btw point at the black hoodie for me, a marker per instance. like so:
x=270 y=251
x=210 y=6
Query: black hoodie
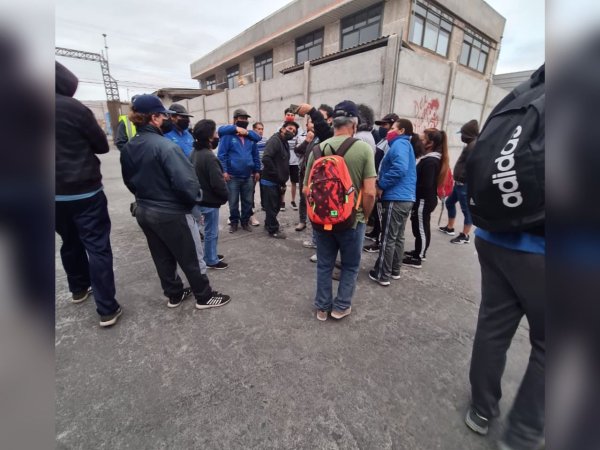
x=78 y=139
x=469 y=133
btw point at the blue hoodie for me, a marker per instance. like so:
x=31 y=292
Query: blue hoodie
x=398 y=172
x=238 y=155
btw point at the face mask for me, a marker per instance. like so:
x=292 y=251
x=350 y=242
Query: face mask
x=214 y=143
x=241 y=123
x=288 y=135
x=183 y=124
x=382 y=133
x=392 y=134
x=166 y=126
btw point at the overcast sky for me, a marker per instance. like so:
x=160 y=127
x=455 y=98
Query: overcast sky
x=152 y=47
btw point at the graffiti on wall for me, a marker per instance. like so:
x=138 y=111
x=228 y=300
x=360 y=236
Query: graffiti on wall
x=426 y=114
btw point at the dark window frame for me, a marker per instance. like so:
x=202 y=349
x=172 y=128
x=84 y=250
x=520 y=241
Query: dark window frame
x=309 y=42
x=474 y=44
x=358 y=24
x=429 y=17
x=262 y=63
x=233 y=73
x=210 y=83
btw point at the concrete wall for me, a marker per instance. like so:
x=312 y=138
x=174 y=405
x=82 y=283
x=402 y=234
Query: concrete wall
x=428 y=91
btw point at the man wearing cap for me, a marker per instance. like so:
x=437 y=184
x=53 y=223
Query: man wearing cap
x=180 y=133
x=361 y=166
x=238 y=154
x=166 y=188
x=275 y=174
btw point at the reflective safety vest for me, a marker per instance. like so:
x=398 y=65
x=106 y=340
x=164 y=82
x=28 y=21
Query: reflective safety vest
x=129 y=127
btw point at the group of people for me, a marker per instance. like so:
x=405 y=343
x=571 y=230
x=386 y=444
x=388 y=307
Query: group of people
x=179 y=184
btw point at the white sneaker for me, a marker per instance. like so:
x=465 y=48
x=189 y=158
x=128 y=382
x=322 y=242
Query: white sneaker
x=254 y=222
x=313 y=258
x=309 y=244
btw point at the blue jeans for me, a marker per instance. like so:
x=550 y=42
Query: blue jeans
x=349 y=243
x=211 y=234
x=459 y=194
x=240 y=189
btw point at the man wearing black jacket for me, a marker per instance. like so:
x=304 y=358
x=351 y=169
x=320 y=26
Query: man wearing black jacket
x=82 y=219
x=275 y=174
x=166 y=189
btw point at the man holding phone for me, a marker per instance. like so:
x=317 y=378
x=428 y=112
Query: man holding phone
x=290 y=116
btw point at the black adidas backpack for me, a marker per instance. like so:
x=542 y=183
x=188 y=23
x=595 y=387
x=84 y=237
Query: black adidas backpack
x=505 y=171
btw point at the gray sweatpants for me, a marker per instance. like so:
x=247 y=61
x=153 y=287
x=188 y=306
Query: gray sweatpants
x=394 y=216
x=512 y=285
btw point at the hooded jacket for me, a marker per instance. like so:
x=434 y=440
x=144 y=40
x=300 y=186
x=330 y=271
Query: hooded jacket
x=158 y=173
x=79 y=139
x=428 y=170
x=238 y=154
x=469 y=133
x=397 y=172
x=276 y=160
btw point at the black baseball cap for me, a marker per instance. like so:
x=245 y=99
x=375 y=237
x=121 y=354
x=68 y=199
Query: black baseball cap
x=179 y=110
x=240 y=113
x=387 y=119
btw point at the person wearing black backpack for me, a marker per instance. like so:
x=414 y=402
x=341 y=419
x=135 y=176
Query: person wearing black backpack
x=505 y=181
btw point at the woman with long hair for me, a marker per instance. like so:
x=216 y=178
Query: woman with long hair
x=396 y=190
x=431 y=173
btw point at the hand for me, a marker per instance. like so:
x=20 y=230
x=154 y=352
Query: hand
x=241 y=131
x=226 y=176
x=303 y=109
x=256 y=177
x=379 y=193
x=309 y=136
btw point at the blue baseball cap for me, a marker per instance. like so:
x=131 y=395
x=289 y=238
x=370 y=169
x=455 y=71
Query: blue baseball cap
x=148 y=104
x=347 y=108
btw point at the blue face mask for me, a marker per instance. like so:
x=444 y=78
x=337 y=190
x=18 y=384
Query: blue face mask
x=382 y=133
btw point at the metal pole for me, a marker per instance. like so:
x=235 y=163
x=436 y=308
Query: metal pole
x=105 y=46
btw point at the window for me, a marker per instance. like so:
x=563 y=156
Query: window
x=364 y=26
x=210 y=83
x=430 y=27
x=232 y=77
x=309 y=46
x=263 y=66
x=475 y=51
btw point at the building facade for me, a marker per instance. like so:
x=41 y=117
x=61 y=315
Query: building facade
x=428 y=61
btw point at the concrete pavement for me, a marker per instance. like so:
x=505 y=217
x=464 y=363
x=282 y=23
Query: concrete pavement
x=262 y=372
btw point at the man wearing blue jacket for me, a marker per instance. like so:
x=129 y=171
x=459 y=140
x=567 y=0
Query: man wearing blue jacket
x=238 y=154
x=396 y=187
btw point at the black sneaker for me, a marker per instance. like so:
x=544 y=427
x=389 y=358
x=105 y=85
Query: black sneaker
x=476 y=422
x=396 y=276
x=246 y=227
x=221 y=257
x=218 y=266
x=412 y=261
x=176 y=301
x=294 y=206
x=214 y=301
x=413 y=253
x=111 y=319
x=461 y=239
x=282 y=207
x=81 y=296
x=372 y=236
x=373 y=248
x=448 y=231
x=233 y=227
x=381 y=281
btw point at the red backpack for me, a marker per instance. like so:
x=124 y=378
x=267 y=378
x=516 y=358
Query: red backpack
x=445 y=189
x=331 y=195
